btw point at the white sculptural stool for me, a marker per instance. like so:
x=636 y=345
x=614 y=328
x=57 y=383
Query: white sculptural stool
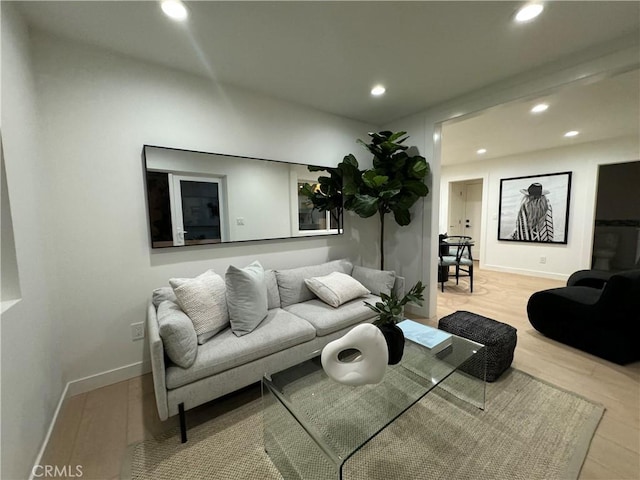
x=368 y=367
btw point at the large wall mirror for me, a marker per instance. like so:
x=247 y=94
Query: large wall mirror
x=197 y=198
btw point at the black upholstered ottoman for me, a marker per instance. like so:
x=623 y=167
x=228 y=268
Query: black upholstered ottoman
x=498 y=338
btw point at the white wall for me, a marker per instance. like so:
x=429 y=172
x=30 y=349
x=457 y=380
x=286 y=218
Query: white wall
x=561 y=260
x=97 y=111
x=30 y=329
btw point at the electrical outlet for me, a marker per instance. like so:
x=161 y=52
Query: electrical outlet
x=543 y=260
x=137 y=331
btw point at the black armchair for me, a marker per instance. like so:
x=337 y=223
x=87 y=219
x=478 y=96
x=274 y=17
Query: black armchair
x=602 y=321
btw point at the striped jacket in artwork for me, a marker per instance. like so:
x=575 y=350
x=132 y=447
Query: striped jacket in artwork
x=535 y=220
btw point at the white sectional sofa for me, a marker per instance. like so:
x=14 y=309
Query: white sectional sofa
x=298 y=325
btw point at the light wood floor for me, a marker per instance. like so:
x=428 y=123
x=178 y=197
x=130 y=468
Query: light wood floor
x=95 y=428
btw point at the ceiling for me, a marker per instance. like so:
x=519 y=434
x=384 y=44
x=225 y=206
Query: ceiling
x=328 y=55
x=605 y=109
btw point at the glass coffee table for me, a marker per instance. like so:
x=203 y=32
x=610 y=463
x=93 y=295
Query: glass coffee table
x=313 y=425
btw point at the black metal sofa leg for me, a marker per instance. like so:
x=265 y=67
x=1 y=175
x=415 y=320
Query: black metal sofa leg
x=183 y=423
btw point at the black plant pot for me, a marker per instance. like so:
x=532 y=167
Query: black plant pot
x=395 y=341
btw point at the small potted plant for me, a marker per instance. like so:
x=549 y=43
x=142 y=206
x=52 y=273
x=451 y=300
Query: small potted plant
x=390 y=311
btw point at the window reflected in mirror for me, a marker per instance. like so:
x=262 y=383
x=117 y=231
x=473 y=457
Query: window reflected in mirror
x=311 y=219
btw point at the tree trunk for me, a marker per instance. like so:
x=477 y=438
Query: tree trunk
x=381 y=240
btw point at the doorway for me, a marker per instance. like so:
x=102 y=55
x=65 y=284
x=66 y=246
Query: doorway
x=465 y=211
x=616 y=242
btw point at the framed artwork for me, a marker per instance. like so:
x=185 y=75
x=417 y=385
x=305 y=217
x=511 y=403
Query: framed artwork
x=535 y=208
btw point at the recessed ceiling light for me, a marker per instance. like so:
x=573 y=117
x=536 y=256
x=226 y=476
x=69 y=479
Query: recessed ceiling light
x=482 y=151
x=541 y=107
x=174 y=9
x=378 y=90
x=529 y=12
x=572 y=133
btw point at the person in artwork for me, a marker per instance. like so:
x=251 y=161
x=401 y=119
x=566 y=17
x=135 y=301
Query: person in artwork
x=535 y=218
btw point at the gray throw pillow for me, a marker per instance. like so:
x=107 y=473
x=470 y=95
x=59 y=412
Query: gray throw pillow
x=291 y=282
x=246 y=297
x=203 y=299
x=273 y=294
x=177 y=333
x=161 y=294
x=378 y=281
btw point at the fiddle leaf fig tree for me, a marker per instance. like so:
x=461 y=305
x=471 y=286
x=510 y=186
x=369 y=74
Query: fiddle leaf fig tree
x=393 y=185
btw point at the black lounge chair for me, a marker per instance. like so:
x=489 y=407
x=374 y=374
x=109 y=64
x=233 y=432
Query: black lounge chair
x=598 y=313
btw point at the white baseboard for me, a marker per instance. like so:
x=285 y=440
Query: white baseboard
x=109 y=377
x=47 y=437
x=522 y=271
x=86 y=384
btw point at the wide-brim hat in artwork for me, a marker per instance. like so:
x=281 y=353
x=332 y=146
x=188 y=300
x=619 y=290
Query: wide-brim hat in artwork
x=535 y=190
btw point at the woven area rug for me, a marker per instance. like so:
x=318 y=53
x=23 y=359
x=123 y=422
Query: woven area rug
x=528 y=430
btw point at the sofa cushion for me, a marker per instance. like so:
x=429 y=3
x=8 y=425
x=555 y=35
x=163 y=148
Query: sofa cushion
x=377 y=281
x=327 y=319
x=336 y=288
x=291 y=282
x=178 y=335
x=273 y=295
x=246 y=297
x=203 y=298
x=279 y=331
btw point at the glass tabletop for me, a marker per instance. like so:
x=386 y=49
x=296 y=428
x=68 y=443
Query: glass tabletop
x=340 y=418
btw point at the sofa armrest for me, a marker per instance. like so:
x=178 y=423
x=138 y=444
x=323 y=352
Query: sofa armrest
x=589 y=278
x=156 y=348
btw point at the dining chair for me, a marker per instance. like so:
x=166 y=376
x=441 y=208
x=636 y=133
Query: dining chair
x=458 y=255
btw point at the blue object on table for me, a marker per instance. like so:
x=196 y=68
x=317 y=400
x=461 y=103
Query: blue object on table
x=430 y=337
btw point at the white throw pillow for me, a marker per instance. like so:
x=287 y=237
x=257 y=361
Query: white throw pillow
x=336 y=288
x=203 y=299
x=177 y=333
x=246 y=297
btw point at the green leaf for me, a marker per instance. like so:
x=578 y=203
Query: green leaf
x=372 y=180
x=391 y=189
x=350 y=160
x=365 y=205
x=417 y=187
x=395 y=136
x=350 y=188
x=402 y=217
x=405 y=200
x=419 y=167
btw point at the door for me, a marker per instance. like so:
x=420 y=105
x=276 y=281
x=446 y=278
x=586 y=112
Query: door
x=456 y=209
x=473 y=215
x=197 y=210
